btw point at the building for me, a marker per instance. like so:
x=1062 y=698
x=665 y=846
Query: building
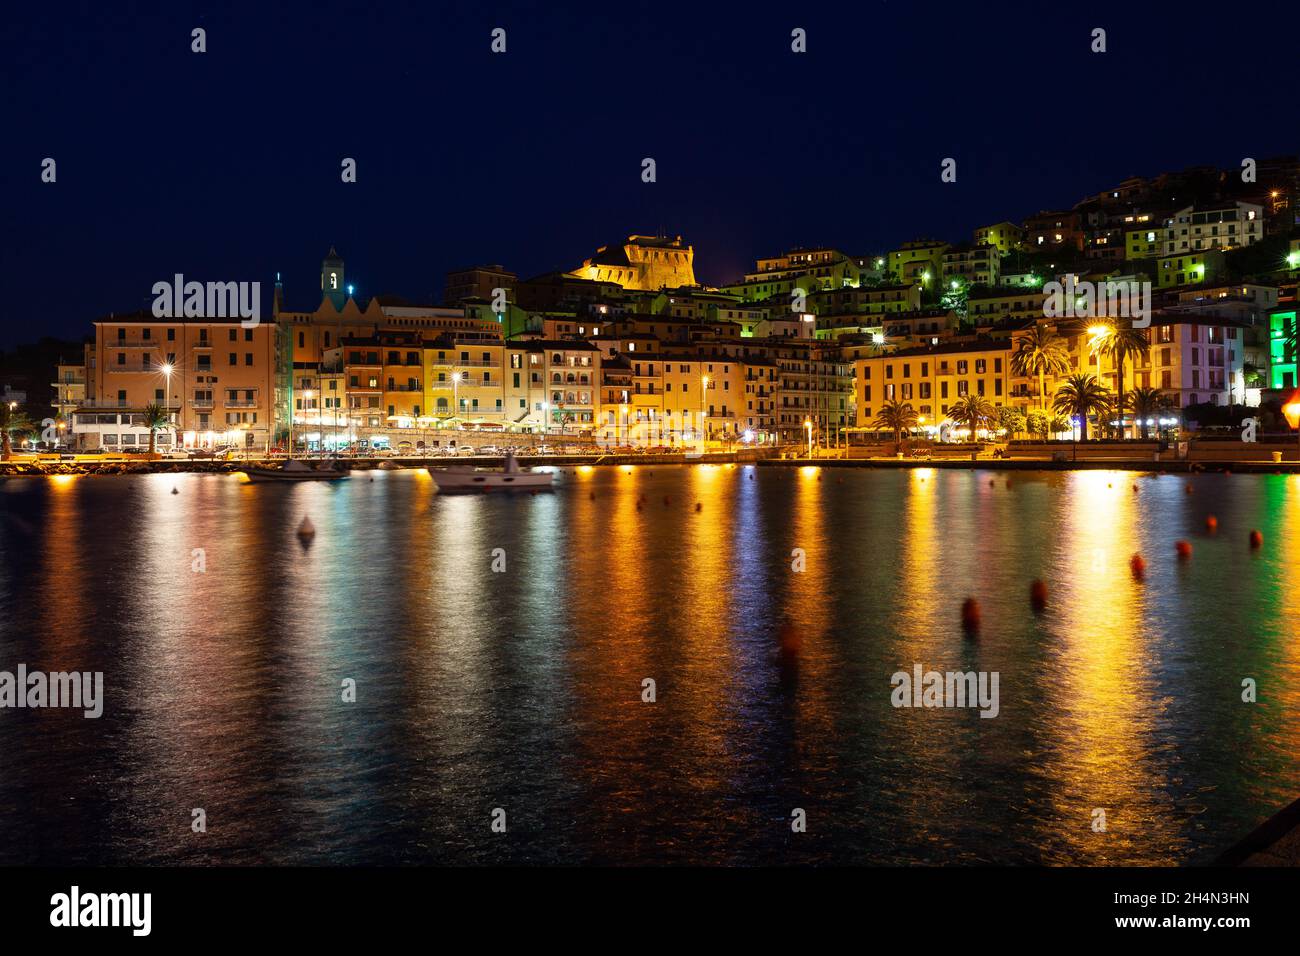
x=1004 y=236
x=1054 y=230
x=918 y=262
x=1189 y=268
x=478 y=282
x=1226 y=225
x=933 y=378
x=972 y=264
x=214 y=377
x=648 y=263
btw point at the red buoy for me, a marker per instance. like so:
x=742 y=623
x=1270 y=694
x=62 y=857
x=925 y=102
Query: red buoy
x=1256 y=539
x=699 y=506
x=970 y=615
x=1184 y=550
x=1137 y=564
x=1211 y=524
x=1038 y=596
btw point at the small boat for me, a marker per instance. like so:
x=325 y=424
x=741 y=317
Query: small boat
x=297 y=470
x=465 y=478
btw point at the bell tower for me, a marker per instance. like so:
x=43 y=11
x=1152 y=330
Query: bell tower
x=331 y=275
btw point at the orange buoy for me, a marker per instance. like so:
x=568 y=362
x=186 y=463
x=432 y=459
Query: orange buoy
x=1184 y=550
x=699 y=506
x=1211 y=524
x=991 y=483
x=1038 y=596
x=1137 y=564
x=970 y=615
x=1135 y=487
x=790 y=638
x=1256 y=539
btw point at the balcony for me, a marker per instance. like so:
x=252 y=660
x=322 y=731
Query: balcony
x=403 y=388
x=136 y=367
x=241 y=403
x=201 y=403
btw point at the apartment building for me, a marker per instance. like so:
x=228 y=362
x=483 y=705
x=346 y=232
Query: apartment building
x=933 y=378
x=215 y=378
x=972 y=264
x=1226 y=225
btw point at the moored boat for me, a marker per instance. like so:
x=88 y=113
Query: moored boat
x=297 y=470
x=464 y=478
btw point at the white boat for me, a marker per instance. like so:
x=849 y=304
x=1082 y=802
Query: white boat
x=465 y=478
x=297 y=470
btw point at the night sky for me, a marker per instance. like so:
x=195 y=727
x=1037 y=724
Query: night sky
x=226 y=165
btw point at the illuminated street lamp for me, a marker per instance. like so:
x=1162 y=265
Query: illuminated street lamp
x=807 y=423
x=704 y=409
x=455 y=392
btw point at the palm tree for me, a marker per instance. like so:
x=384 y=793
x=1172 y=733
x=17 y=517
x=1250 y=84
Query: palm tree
x=12 y=422
x=155 y=417
x=973 y=411
x=1082 y=395
x=898 y=418
x=1121 y=342
x=1040 y=352
x=1144 y=402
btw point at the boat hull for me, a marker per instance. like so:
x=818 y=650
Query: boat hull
x=275 y=474
x=491 y=481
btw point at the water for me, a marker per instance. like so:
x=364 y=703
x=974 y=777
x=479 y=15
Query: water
x=522 y=690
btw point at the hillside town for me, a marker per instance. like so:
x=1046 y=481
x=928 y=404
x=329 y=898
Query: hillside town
x=1012 y=330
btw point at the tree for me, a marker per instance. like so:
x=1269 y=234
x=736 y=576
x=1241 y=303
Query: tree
x=1040 y=352
x=898 y=418
x=155 y=417
x=1120 y=342
x=973 y=411
x=1039 y=423
x=1082 y=395
x=1011 y=420
x=1145 y=402
x=12 y=423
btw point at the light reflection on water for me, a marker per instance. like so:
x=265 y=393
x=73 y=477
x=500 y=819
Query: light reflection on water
x=523 y=689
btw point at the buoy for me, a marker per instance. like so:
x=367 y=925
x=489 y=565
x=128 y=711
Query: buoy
x=1184 y=550
x=1135 y=487
x=699 y=506
x=1211 y=524
x=1038 y=596
x=175 y=492
x=970 y=615
x=1256 y=539
x=990 y=482
x=791 y=640
x=306 y=529
x=1187 y=489
x=1138 y=566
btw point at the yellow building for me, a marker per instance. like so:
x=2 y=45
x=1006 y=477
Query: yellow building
x=919 y=261
x=1005 y=236
x=933 y=379
x=642 y=263
x=1143 y=241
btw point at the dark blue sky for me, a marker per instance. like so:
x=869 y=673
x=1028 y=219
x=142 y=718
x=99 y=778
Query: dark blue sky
x=225 y=166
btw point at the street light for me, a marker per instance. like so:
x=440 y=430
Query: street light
x=455 y=392
x=807 y=423
x=704 y=411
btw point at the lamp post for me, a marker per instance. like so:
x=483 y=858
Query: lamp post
x=807 y=423
x=704 y=412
